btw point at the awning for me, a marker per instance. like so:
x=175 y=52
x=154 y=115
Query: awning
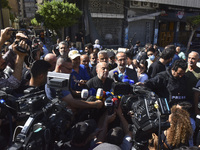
x=149 y=16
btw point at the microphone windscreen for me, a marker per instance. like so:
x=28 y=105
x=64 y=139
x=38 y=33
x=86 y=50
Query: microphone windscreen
x=84 y=94
x=99 y=94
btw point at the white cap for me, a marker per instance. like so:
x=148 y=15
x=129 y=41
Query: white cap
x=73 y=54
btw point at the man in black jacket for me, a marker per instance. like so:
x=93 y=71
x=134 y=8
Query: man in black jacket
x=165 y=58
x=170 y=84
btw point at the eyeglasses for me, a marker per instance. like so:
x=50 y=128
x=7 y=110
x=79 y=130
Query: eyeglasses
x=149 y=54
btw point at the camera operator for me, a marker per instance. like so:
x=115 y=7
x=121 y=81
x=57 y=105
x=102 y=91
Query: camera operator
x=14 y=80
x=64 y=65
x=170 y=84
x=38 y=78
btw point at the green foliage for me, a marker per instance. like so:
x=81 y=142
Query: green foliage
x=34 y=22
x=12 y=17
x=4 y=4
x=194 y=21
x=56 y=14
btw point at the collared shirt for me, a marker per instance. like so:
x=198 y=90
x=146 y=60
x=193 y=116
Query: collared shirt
x=76 y=77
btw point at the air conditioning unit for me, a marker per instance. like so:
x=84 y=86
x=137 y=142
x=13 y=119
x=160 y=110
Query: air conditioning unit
x=135 y=4
x=145 y=4
x=154 y=5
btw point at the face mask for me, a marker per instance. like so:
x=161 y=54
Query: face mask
x=152 y=57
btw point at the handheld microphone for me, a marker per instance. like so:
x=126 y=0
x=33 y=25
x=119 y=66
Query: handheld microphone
x=115 y=101
x=84 y=94
x=109 y=105
x=131 y=82
x=108 y=94
x=125 y=77
x=99 y=94
x=116 y=76
x=92 y=92
x=125 y=80
x=120 y=76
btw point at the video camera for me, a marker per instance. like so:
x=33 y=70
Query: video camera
x=48 y=124
x=58 y=81
x=7 y=105
x=147 y=112
x=33 y=101
x=44 y=127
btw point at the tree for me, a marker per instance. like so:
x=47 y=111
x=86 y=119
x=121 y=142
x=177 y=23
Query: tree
x=4 y=4
x=56 y=15
x=194 y=22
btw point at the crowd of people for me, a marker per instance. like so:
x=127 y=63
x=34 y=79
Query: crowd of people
x=168 y=73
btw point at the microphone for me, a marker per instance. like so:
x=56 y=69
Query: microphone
x=120 y=76
x=84 y=94
x=92 y=92
x=115 y=101
x=99 y=94
x=108 y=94
x=131 y=82
x=116 y=76
x=109 y=105
x=125 y=80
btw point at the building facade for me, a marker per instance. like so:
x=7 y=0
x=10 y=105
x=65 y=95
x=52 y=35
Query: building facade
x=118 y=22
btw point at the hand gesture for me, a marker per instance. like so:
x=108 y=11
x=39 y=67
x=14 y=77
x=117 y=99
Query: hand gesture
x=21 y=44
x=5 y=35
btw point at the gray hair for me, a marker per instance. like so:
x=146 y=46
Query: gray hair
x=62 y=43
x=102 y=52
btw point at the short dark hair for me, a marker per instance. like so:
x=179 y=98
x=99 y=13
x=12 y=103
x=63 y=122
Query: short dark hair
x=180 y=63
x=129 y=55
x=39 y=67
x=89 y=45
x=145 y=63
x=137 y=42
x=115 y=136
x=168 y=52
x=151 y=49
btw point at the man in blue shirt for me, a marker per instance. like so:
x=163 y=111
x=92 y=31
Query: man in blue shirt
x=64 y=65
x=79 y=75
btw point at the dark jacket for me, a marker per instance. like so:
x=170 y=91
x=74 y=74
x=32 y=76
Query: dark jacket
x=166 y=86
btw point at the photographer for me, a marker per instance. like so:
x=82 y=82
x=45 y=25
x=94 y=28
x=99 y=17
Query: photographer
x=14 y=80
x=64 y=65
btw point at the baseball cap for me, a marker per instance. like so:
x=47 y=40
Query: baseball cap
x=82 y=130
x=73 y=54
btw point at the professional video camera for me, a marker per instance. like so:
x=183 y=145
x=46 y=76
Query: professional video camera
x=45 y=127
x=33 y=101
x=148 y=113
x=58 y=81
x=7 y=105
